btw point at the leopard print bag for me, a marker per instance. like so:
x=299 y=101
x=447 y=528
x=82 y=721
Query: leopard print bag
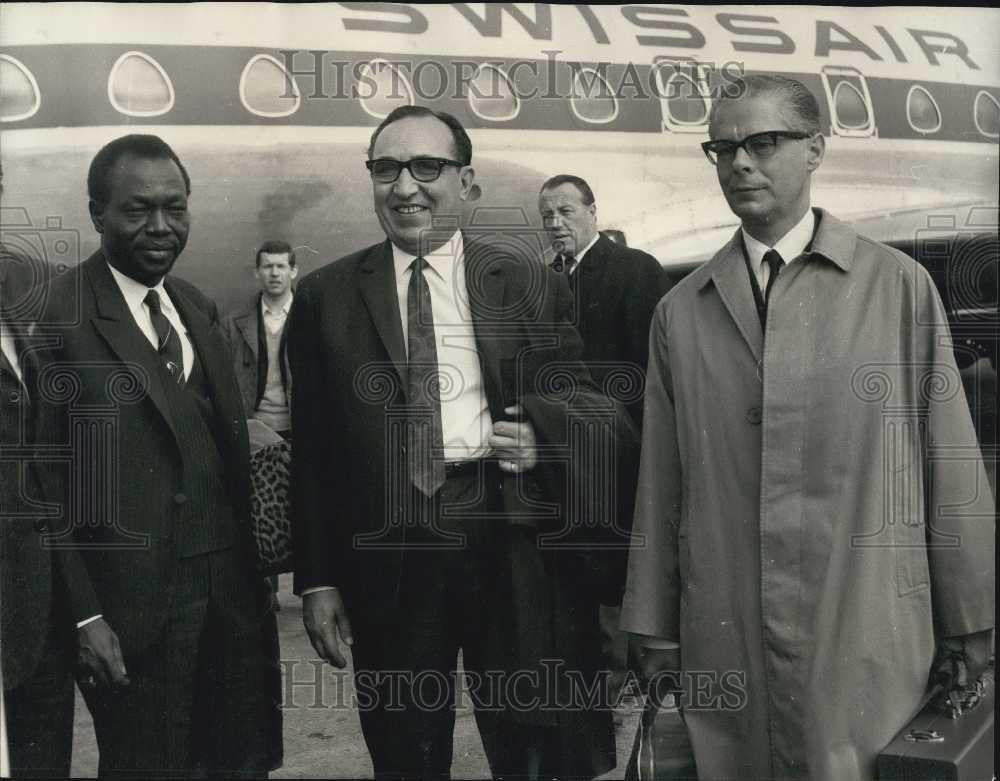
x=269 y=508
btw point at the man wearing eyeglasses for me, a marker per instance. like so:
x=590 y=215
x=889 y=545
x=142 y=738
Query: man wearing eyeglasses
x=806 y=448
x=430 y=474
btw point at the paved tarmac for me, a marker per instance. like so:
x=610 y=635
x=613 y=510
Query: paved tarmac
x=322 y=734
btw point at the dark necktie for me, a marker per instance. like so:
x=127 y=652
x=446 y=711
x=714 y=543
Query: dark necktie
x=425 y=439
x=774 y=261
x=169 y=347
x=564 y=264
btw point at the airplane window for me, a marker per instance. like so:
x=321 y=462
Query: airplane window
x=922 y=111
x=266 y=88
x=383 y=88
x=685 y=103
x=19 y=96
x=139 y=87
x=852 y=113
x=987 y=114
x=492 y=96
x=592 y=99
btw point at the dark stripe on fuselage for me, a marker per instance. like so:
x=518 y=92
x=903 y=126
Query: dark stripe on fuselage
x=73 y=82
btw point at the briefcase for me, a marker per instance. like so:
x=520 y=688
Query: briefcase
x=935 y=747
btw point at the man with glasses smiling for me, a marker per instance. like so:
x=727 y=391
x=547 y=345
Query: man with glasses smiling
x=420 y=417
x=806 y=447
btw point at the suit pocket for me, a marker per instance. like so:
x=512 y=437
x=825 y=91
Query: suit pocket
x=909 y=530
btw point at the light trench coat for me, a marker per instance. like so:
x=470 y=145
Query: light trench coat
x=812 y=511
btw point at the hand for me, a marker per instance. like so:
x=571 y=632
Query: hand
x=513 y=442
x=100 y=655
x=978 y=652
x=322 y=611
x=962 y=659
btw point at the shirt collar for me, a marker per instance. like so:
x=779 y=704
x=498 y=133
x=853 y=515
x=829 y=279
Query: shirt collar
x=789 y=246
x=135 y=292
x=284 y=308
x=583 y=253
x=442 y=261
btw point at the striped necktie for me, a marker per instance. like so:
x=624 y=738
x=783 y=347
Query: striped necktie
x=425 y=443
x=169 y=348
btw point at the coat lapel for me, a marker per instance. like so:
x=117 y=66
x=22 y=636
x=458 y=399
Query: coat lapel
x=731 y=280
x=115 y=324
x=246 y=324
x=211 y=351
x=485 y=283
x=378 y=289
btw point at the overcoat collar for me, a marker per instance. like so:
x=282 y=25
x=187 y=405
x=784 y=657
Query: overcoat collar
x=834 y=241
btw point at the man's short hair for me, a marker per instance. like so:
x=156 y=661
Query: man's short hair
x=277 y=247
x=463 y=144
x=580 y=184
x=143 y=146
x=797 y=97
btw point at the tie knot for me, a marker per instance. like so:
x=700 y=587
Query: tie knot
x=563 y=263
x=153 y=301
x=774 y=261
x=418 y=265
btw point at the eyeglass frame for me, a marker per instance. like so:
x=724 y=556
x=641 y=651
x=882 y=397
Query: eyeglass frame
x=442 y=162
x=794 y=135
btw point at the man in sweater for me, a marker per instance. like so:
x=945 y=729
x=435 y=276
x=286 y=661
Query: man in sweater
x=257 y=337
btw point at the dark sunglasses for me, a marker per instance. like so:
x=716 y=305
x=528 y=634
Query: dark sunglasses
x=757 y=145
x=423 y=169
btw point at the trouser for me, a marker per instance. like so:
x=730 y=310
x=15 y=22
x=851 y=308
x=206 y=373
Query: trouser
x=40 y=712
x=405 y=668
x=271 y=693
x=193 y=705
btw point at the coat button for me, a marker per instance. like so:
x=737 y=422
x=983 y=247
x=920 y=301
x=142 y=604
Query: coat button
x=14 y=396
x=754 y=416
x=180 y=498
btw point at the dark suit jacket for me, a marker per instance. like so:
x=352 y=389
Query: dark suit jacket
x=617 y=289
x=26 y=591
x=348 y=362
x=242 y=331
x=97 y=380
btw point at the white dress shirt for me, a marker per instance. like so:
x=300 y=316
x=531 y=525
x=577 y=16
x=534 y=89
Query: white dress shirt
x=10 y=349
x=581 y=255
x=274 y=317
x=135 y=298
x=465 y=415
x=789 y=246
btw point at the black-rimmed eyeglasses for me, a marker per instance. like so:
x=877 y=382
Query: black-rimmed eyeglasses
x=757 y=145
x=423 y=169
